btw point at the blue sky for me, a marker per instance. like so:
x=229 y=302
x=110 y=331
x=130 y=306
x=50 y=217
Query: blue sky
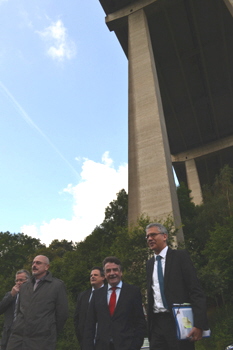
x=63 y=118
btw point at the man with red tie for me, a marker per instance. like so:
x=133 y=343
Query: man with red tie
x=115 y=318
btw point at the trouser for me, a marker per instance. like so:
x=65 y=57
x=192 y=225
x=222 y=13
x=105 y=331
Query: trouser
x=163 y=334
x=111 y=346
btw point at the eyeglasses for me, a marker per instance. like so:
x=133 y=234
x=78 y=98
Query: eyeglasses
x=21 y=280
x=37 y=262
x=153 y=235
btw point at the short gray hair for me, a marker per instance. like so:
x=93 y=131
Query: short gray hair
x=27 y=274
x=162 y=229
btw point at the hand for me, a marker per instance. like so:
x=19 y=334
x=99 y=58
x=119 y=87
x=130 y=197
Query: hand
x=195 y=334
x=14 y=290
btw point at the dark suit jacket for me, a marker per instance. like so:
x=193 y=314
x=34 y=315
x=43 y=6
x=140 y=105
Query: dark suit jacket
x=7 y=306
x=181 y=285
x=81 y=313
x=126 y=327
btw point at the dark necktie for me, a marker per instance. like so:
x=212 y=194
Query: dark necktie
x=112 y=301
x=16 y=305
x=160 y=278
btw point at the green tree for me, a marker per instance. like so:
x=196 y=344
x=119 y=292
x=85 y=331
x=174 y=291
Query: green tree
x=77 y=263
x=117 y=211
x=14 y=251
x=199 y=221
x=220 y=262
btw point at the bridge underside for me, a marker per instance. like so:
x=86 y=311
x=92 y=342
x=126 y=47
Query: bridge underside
x=193 y=51
x=180 y=56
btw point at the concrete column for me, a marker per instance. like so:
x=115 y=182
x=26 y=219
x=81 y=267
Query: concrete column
x=193 y=181
x=152 y=189
x=229 y=4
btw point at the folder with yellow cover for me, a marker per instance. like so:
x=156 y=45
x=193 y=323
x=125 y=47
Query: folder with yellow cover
x=183 y=314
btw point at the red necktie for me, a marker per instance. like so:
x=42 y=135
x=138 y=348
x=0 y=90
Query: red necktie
x=112 y=301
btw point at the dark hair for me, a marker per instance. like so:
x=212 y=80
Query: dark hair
x=100 y=270
x=112 y=259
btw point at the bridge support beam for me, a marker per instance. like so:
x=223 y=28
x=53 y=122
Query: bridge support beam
x=189 y=159
x=229 y=4
x=193 y=181
x=152 y=189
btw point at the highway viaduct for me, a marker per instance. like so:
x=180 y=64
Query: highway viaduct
x=180 y=77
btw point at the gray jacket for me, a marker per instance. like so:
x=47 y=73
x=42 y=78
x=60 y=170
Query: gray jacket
x=41 y=315
x=7 y=306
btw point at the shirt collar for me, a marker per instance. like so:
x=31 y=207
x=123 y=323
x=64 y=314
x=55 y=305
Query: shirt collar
x=163 y=253
x=92 y=289
x=119 y=285
x=42 y=278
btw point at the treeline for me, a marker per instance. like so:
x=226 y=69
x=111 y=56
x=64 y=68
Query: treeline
x=208 y=231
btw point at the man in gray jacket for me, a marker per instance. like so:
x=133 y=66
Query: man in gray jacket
x=42 y=310
x=8 y=305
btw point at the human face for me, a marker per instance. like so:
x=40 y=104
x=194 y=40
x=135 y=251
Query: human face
x=20 y=278
x=156 y=240
x=96 y=279
x=113 y=274
x=40 y=266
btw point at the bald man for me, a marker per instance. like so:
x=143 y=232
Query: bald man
x=42 y=310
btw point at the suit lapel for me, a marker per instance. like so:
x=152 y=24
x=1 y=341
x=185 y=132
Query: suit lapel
x=151 y=269
x=168 y=266
x=87 y=296
x=105 y=299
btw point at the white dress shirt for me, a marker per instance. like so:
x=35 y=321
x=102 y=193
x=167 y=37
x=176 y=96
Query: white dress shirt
x=118 y=291
x=158 y=303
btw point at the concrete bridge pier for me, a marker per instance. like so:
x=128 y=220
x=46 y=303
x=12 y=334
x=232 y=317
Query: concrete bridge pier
x=193 y=181
x=152 y=189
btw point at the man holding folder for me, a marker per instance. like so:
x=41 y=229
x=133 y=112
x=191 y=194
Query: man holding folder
x=171 y=279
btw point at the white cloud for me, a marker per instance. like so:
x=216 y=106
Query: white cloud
x=60 y=46
x=100 y=182
x=30 y=230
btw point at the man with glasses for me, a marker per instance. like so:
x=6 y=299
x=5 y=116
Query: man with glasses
x=8 y=305
x=42 y=310
x=171 y=279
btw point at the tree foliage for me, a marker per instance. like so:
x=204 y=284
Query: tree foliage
x=15 y=250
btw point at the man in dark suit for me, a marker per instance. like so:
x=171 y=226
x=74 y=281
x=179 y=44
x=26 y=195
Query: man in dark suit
x=115 y=318
x=180 y=286
x=97 y=281
x=8 y=305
